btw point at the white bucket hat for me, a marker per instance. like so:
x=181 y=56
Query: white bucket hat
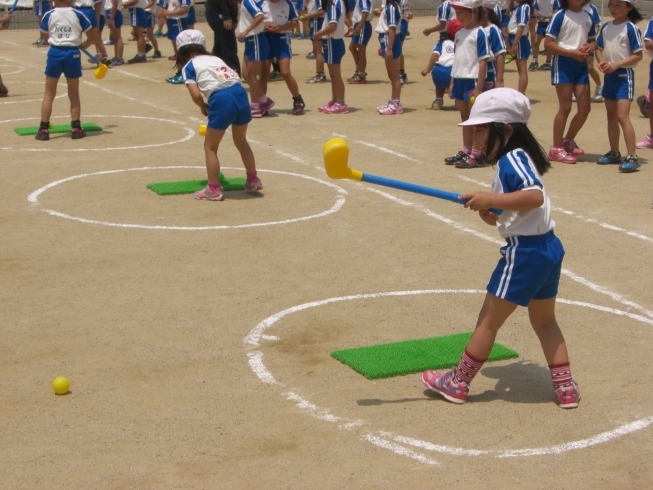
x=190 y=36
x=502 y=105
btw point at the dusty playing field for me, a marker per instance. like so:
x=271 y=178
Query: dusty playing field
x=195 y=358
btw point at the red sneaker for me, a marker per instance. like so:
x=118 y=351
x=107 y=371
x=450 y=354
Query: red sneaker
x=568 y=396
x=571 y=147
x=560 y=155
x=442 y=382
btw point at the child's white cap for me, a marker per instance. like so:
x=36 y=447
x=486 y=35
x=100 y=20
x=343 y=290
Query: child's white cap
x=502 y=105
x=489 y=4
x=190 y=36
x=465 y=4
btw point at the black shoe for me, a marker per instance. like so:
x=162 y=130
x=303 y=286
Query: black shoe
x=42 y=135
x=139 y=58
x=298 y=106
x=148 y=48
x=458 y=156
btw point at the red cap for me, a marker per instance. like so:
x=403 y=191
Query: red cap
x=453 y=27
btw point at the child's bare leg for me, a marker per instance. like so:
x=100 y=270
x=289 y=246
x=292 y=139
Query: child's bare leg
x=564 y=91
x=523 y=76
x=319 y=56
x=255 y=91
x=543 y=321
x=211 y=143
x=291 y=83
x=362 y=58
x=152 y=38
x=265 y=75
x=73 y=95
x=246 y=153
x=118 y=44
x=613 y=124
x=623 y=111
x=493 y=314
x=48 y=98
x=392 y=67
x=583 y=102
x=337 y=85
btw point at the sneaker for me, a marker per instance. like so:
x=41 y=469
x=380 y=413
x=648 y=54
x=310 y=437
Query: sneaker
x=303 y=35
x=106 y=61
x=324 y=107
x=610 y=157
x=437 y=104
x=108 y=42
x=542 y=52
x=546 y=66
x=403 y=77
x=4 y=91
x=391 y=108
x=357 y=80
x=571 y=147
x=253 y=185
x=255 y=110
x=275 y=76
x=266 y=106
x=173 y=57
x=568 y=396
x=38 y=42
x=560 y=155
x=471 y=161
x=337 y=108
x=157 y=54
x=310 y=56
x=317 y=78
x=647 y=142
x=42 y=135
x=148 y=48
x=139 y=58
x=158 y=33
x=176 y=80
x=117 y=62
x=631 y=163
x=349 y=33
x=458 y=156
x=533 y=66
x=298 y=106
x=77 y=133
x=442 y=382
x=644 y=108
x=209 y=195
x=598 y=97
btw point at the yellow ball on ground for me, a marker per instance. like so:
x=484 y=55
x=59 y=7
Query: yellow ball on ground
x=202 y=129
x=61 y=385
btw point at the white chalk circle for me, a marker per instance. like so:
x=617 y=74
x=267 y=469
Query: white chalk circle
x=34 y=199
x=189 y=134
x=20 y=69
x=400 y=444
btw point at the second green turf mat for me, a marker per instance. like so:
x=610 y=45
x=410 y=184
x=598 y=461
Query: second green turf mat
x=190 y=186
x=412 y=356
x=56 y=128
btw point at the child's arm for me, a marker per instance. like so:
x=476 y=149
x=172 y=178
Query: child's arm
x=149 y=5
x=648 y=44
x=392 y=34
x=515 y=43
x=435 y=56
x=326 y=30
x=522 y=200
x=257 y=20
x=480 y=81
x=314 y=15
x=196 y=95
x=181 y=10
x=552 y=46
x=611 y=66
x=289 y=26
x=5 y=19
x=361 y=24
x=438 y=27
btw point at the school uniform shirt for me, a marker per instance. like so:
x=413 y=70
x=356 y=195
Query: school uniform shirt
x=446 y=13
x=279 y=13
x=361 y=6
x=391 y=16
x=404 y=7
x=172 y=5
x=210 y=73
x=83 y=3
x=516 y=172
x=519 y=18
x=446 y=51
x=619 y=41
x=593 y=12
x=313 y=6
x=571 y=29
x=64 y=26
x=250 y=9
x=336 y=15
x=471 y=47
x=495 y=41
x=546 y=7
x=648 y=36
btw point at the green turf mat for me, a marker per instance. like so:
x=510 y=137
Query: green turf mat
x=412 y=356
x=56 y=128
x=190 y=186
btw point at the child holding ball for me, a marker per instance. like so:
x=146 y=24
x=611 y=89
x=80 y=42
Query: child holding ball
x=528 y=272
x=207 y=76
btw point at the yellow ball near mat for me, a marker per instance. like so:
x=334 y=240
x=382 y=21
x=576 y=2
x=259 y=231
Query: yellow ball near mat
x=202 y=129
x=61 y=385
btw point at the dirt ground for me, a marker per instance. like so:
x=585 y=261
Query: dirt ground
x=196 y=335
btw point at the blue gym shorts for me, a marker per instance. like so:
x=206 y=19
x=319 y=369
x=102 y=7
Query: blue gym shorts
x=229 y=106
x=365 y=35
x=315 y=25
x=441 y=76
x=505 y=18
x=396 y=47
x=102 y=22
x=137 y=17
x=41 y=7
x=299 y=5
x=175 y=26
x=191 y=20
x=529 y=269
x=333 y=50
x=524 y=47
x=619 y=85
x=567 y=70
x=279 y=45
x=403 y=29
x=256 y=47
x=151 y=22
x=117 y=22
x=463 y=88
x=650 y=76
x=63 y=60
x=89 y=12
x=540 y=30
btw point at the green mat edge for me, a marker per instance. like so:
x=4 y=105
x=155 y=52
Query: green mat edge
x=495 y=355
x=55 y=129
x=228 y=184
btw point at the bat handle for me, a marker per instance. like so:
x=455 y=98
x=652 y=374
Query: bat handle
x=13 y=7
x=91 y=57
x=492 y=210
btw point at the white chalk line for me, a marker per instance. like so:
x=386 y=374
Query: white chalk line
x=30 y=100
x=33 y=199
x=5 y=73
x=125 y=72
x=259 y=369
x=391 y=152
x=132 y=99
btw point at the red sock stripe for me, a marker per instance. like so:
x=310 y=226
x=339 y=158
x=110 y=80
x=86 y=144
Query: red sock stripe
x=468 y=367
x=560 y=375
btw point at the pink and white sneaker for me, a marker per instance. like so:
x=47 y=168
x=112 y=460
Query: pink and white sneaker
x=568 y=396
x=324 y=107
x=560 y=155
x=442 y=382
x=647 y=142
x=337 y=108
x=266 y=106
x=253 y=185
x=255 y=110
x=571 y=147
x=391 y=109
x=209 y=195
